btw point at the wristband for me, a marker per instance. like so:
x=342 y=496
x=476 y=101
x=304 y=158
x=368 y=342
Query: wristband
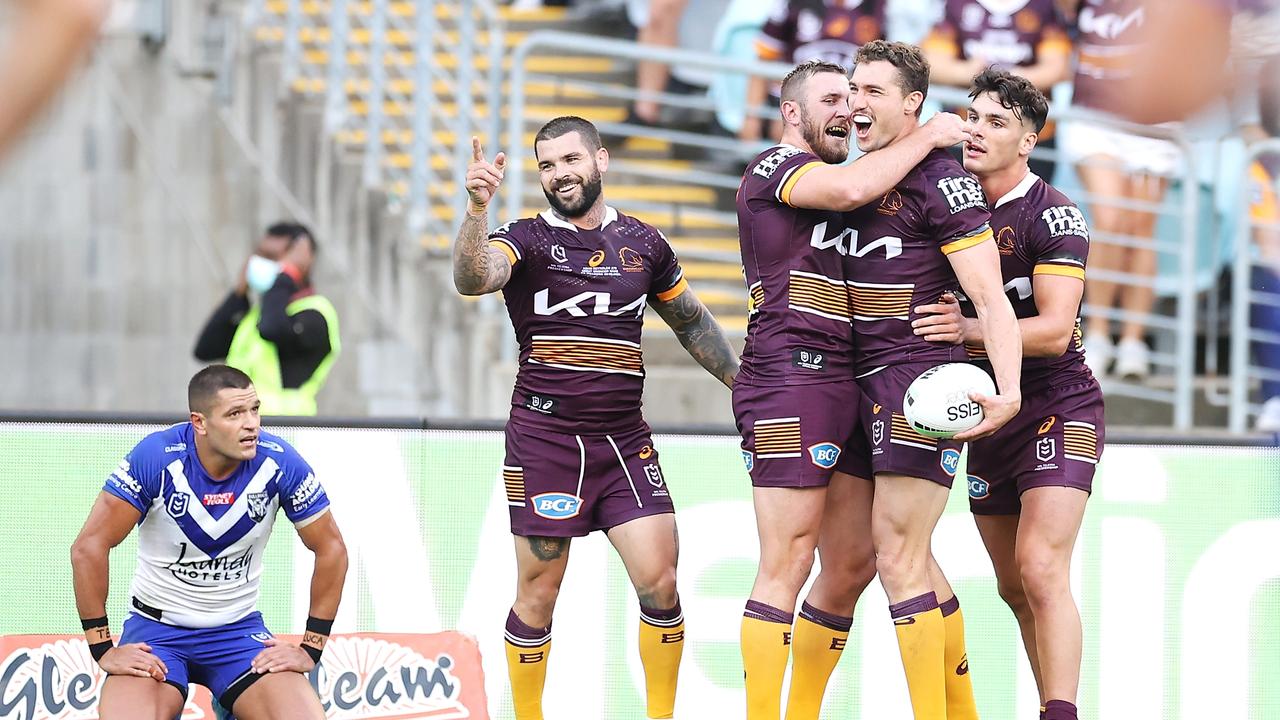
x=97 y=650
x=314 y=652
x=93 y=623
x=319 y=627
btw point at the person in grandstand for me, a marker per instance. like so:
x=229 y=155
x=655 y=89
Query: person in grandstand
x=925 y=236
x=1028 y=482
x=579 y=457
x=1027 y=37
x=801 y=30
x=204 y=495
x=47 y=38
x=794 y=394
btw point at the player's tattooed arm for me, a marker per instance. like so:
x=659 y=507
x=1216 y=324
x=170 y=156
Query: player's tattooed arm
x=700 y=334
x=547 y=549
x=478 y=267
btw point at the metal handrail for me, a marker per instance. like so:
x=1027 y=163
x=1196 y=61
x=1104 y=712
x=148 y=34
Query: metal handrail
x=1243 y=297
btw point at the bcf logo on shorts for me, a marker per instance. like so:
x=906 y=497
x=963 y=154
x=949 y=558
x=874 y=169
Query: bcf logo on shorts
x=824 y=455
x=556 y=506
x=749 y=460
x=950 y=461
x=979 y=489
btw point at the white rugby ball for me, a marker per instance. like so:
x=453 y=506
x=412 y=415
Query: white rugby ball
x=937 y=403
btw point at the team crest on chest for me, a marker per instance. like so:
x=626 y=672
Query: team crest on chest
x=177 y=505
x=258 y=505
x=1004 y=240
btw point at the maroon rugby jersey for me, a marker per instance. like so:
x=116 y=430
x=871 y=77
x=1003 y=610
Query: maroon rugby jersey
x=1039 y=231
x=795 y=33
x=1008 y=33
x=1110 y=36
x=576 y=299
x=798 y=313
x=897 y=259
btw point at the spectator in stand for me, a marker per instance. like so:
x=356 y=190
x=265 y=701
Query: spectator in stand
x=1025 y=37
x=801 y=30
x=288 y=342
x=1117 y=170
x=1264 y=212
x=662 y=28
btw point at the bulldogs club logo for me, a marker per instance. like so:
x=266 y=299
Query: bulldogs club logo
x=258 y=505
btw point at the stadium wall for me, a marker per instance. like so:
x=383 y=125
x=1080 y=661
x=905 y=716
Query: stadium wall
x=1176 y=572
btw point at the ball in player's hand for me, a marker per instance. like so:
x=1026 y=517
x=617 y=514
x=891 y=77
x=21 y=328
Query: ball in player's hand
x=937 y=404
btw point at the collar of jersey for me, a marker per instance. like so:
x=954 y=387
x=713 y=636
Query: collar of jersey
x=1020 y=190
x=551 y=219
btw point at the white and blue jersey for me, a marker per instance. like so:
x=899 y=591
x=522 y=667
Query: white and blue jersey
x=201 y=541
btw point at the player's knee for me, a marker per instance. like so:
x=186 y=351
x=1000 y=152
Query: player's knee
x=897 y=567
x=849 y=574
x=536 y=600
x=658 y=591
x=1013 y=595
x=790 y=562
x=1043 y=576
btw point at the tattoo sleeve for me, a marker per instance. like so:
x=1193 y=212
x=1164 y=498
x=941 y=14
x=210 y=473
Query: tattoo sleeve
x=700 y=334
x=478 y=268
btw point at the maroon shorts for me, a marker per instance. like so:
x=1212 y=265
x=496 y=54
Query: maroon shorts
x=885 y=442
x=793 y=435
x=1054 y=441
x=565 y=485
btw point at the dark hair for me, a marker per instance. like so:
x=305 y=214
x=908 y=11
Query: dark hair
x=564 y=125
x=204 y=385
x=1015 y=93
x=294 y=232
x=912 y=67
x=793 y=84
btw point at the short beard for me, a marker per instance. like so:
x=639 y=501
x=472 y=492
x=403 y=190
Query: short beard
x=815 y=137
x=591 y=189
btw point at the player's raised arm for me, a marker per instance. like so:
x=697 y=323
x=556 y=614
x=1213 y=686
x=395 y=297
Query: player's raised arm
x=699 y=333
x=478 y=268
x=845 y=187
x=110 y=521
x=977 y=267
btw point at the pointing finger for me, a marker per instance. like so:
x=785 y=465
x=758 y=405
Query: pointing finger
x=477 y=152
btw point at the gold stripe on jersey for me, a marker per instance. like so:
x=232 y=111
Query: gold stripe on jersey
x=755 y=298
x=967 y=242
x=674 y=292
x=818 y=295
x=513 y=479
x=570 y=352
x=875 y=301
x=1059 y=268
x=507 y=249
x=1080 y=441
x=784 y=193
x=901 y=433
x=777 y=437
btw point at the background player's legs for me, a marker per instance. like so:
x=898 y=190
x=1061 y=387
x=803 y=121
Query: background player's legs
x=788 y=521
x=134 y=698
x=903 y=517
x=960 y=702
x=540 y=566
x=1131 y=353
x=1000 y=534
x=1051 y=518
x=848 y=564
x=1103 y=178
x=649 y=547
x=279 y=696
